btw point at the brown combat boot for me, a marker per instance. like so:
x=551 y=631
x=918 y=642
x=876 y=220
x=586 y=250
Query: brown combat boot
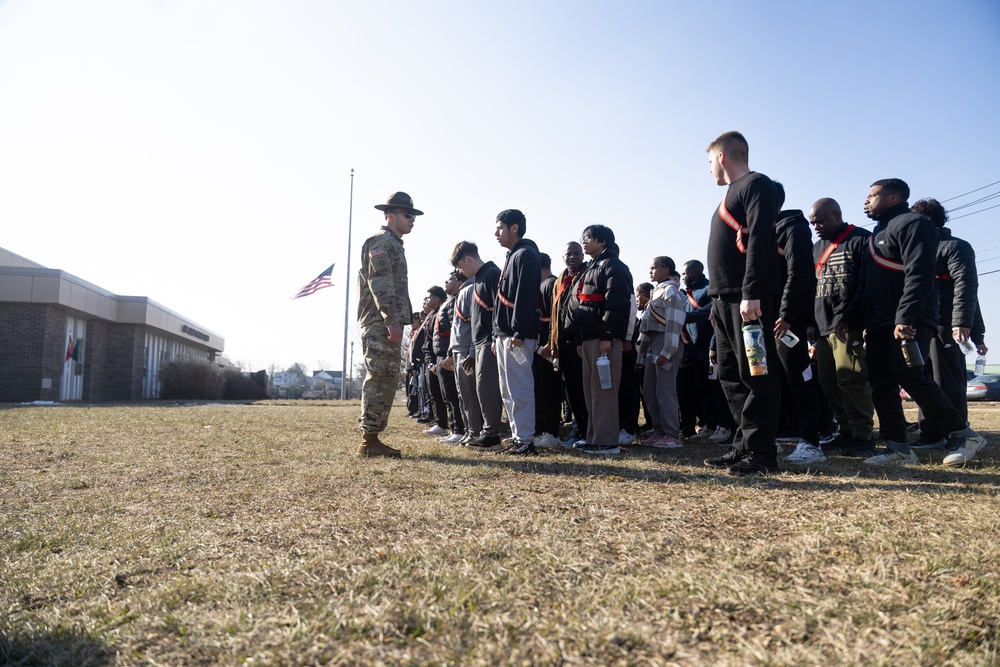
x=371 y=446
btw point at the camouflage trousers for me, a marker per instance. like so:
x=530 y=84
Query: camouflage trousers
x=381 y=379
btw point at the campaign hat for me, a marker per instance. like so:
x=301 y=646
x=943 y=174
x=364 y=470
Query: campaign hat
x=399 y=200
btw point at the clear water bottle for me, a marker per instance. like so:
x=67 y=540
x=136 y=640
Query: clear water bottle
x=980 y=365
x=517 y=352
x=604 y=371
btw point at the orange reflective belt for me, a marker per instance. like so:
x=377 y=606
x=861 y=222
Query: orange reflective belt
x=731 y=222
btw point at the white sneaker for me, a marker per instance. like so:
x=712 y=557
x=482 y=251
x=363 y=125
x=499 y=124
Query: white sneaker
x=436 y=430
x=806 y=454
x=969 y=443
x=720 y=434
x=547 y=440
x=452 y=439
x=891 y=456
x=625 y=438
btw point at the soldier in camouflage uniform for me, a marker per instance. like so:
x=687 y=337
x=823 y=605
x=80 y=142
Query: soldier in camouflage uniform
x=383 y=311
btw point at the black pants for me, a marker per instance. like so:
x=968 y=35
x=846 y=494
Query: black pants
x=450 y=390
x=571 y=367
x=804 y=402
x=754 y=400
x=628 y=395
x=947 y=367
x=887 y=372
x=548 y=397
x=437 y=396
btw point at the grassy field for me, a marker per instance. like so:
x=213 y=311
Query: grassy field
x=250 y=534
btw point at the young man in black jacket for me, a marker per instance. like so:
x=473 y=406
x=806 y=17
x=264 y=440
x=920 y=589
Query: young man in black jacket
x=515 y=327
x=897 y=302
x=842 y=367
x=465 y=258
x=601 y=325
x=795 y=314
x=745 y=287
x=958 y=292
x=443 y=326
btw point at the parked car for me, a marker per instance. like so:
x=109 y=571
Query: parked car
x=983 y=388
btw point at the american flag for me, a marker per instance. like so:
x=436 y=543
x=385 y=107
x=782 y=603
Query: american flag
x=319 y=282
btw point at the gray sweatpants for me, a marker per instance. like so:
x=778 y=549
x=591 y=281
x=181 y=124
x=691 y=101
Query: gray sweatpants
x=488 y=388
x=467 y=395
x=659 y=390
x=517 y=388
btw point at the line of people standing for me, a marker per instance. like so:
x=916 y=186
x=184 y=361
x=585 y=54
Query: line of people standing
x=521 y=340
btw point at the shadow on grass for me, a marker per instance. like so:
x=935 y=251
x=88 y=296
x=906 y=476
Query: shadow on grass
x=57 y=647
x=838 y=474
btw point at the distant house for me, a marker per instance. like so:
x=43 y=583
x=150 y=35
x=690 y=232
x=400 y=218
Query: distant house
x=284 y=379
x=329 y=380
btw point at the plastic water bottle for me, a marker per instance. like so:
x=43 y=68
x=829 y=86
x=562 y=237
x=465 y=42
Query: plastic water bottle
x=980 y=365
x=604 y=371
x=713 y=371
x=517 y=352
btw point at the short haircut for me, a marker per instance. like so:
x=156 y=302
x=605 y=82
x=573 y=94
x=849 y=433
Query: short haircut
x=932 y=210
x=674 y=276
x=780 y=189
x=600 y=233
x=696 y=265
x=512 y=217
x=645 y=288
x=457 y=275
x=544 y=260
x=896 y=185
x=438 y=291
x=666 y=263
x=417 y=315
x=462 y=250
x=733 y=145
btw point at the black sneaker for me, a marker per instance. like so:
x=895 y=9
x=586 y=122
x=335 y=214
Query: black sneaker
x=842 y=440
x=857 y=448
x=522 y=449
x=486 y=443
x=929 y=442
x=728 y=459
x=755 y=463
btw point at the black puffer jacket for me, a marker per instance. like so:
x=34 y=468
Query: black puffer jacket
x=900 y=287
x=604 y=294
x=957 y=281
x=798 y=274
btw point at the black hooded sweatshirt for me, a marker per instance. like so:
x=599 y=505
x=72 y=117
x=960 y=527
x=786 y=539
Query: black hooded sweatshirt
x=518 y=295
x=604 y=293
x=798 y=274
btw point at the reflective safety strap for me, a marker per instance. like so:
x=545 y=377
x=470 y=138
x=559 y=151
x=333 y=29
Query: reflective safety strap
x=884 y=262
x=731 y=222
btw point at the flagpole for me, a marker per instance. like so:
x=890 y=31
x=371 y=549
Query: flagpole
x=347 y=294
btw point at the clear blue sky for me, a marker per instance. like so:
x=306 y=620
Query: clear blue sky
x=199 y=152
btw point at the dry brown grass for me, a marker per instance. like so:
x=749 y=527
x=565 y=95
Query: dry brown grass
x=180 y=535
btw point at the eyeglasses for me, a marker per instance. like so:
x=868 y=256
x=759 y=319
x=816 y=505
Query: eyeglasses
x=405 y=214
x=585 y=239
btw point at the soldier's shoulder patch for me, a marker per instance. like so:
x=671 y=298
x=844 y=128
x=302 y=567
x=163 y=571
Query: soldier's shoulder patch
x=375 y=252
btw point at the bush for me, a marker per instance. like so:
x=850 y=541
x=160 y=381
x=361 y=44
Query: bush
x=190 y=379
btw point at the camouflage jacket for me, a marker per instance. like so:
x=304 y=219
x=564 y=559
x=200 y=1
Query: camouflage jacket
x=383 y=294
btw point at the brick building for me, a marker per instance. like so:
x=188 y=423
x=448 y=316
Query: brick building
x=64 y=339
